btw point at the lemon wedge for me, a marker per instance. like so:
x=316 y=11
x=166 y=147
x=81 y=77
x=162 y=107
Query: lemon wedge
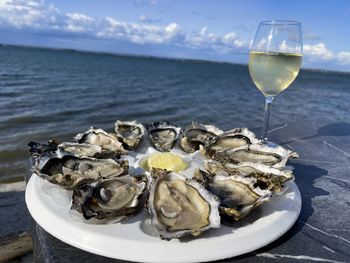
x=168 y=161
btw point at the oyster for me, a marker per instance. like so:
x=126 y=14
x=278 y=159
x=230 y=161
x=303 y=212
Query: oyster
x=130 y=133
x=229 y=140
x=81 y=149
x=69 y=171
x=238 y=194
x=109 y=142
x=70 y=148
x=276 y=157
x=197 y=134
x=36 y=149
x=180 y=206
x=109 y=199
x=274 y=178
x=163 y=135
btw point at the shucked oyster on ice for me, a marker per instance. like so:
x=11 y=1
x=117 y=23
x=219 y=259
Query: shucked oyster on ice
x=238 y=195
x=163 y=135
x=180 y=206
x=197 y=134
x=229 y=140
x=69 y=171
x=276 y=157
x=109 y=199
x=130 y=133
x=111 y=146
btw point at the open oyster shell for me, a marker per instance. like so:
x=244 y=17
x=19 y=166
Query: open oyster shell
x=238 y=195
x=230 y=140
x=130 y=133
x=163 y=135
x=197 y=134
x=111 y=146
x=273 y=177
x=180 y=206
x=36 y=149
x=276 y=157
x=109 y=199
x=69 y=171
x=65 y=148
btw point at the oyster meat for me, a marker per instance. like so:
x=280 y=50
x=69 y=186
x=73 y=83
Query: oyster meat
x=163 y=135
x=276 y=157
x=197 y=134
x=111 y=146
x=109 y=199
x=238 y=195
x=230 y=140
x=180 y=206
x=130 y=133
x=80 y=149
x=69 y=171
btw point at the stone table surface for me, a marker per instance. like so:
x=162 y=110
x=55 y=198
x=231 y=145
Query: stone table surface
x=322 y=173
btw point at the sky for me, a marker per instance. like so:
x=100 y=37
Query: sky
x=210 y=30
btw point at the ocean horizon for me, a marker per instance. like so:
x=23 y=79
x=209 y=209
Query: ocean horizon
x=200 y=60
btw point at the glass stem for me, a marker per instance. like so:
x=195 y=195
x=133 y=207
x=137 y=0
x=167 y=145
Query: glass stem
x=268 y=104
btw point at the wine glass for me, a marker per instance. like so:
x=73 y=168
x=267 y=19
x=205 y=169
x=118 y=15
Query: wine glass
x=275 y=60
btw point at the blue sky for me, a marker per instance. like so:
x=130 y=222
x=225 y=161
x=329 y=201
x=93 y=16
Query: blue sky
x=211 y=30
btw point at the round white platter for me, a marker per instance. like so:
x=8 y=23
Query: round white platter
x=49 y=205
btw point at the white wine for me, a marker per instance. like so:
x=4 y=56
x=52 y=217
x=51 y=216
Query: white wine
x=273 y=72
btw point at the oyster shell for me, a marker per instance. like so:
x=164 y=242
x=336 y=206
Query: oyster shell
x=163 y=135
x=276 y=157
x=69 y=171
x=109 y=142
x=238 y=195
x=70 y=148
x=109 y=199
x=180 y=206
x=130 y=133
x=274 y=178
x=36 y=149
x=229 y=140
x=197 y=134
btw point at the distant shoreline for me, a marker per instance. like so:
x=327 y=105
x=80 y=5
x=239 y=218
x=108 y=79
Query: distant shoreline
x=156 y=57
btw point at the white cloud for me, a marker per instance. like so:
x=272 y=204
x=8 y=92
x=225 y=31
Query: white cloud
x=79 y=17
x=78 y=23
x=203 y=39
x=318 y=52
x=343 y=57
x=33 y=14
x=38 y=16
x=139 y=33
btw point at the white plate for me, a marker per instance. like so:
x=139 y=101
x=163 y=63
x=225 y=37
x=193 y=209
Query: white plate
x=128 y=241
